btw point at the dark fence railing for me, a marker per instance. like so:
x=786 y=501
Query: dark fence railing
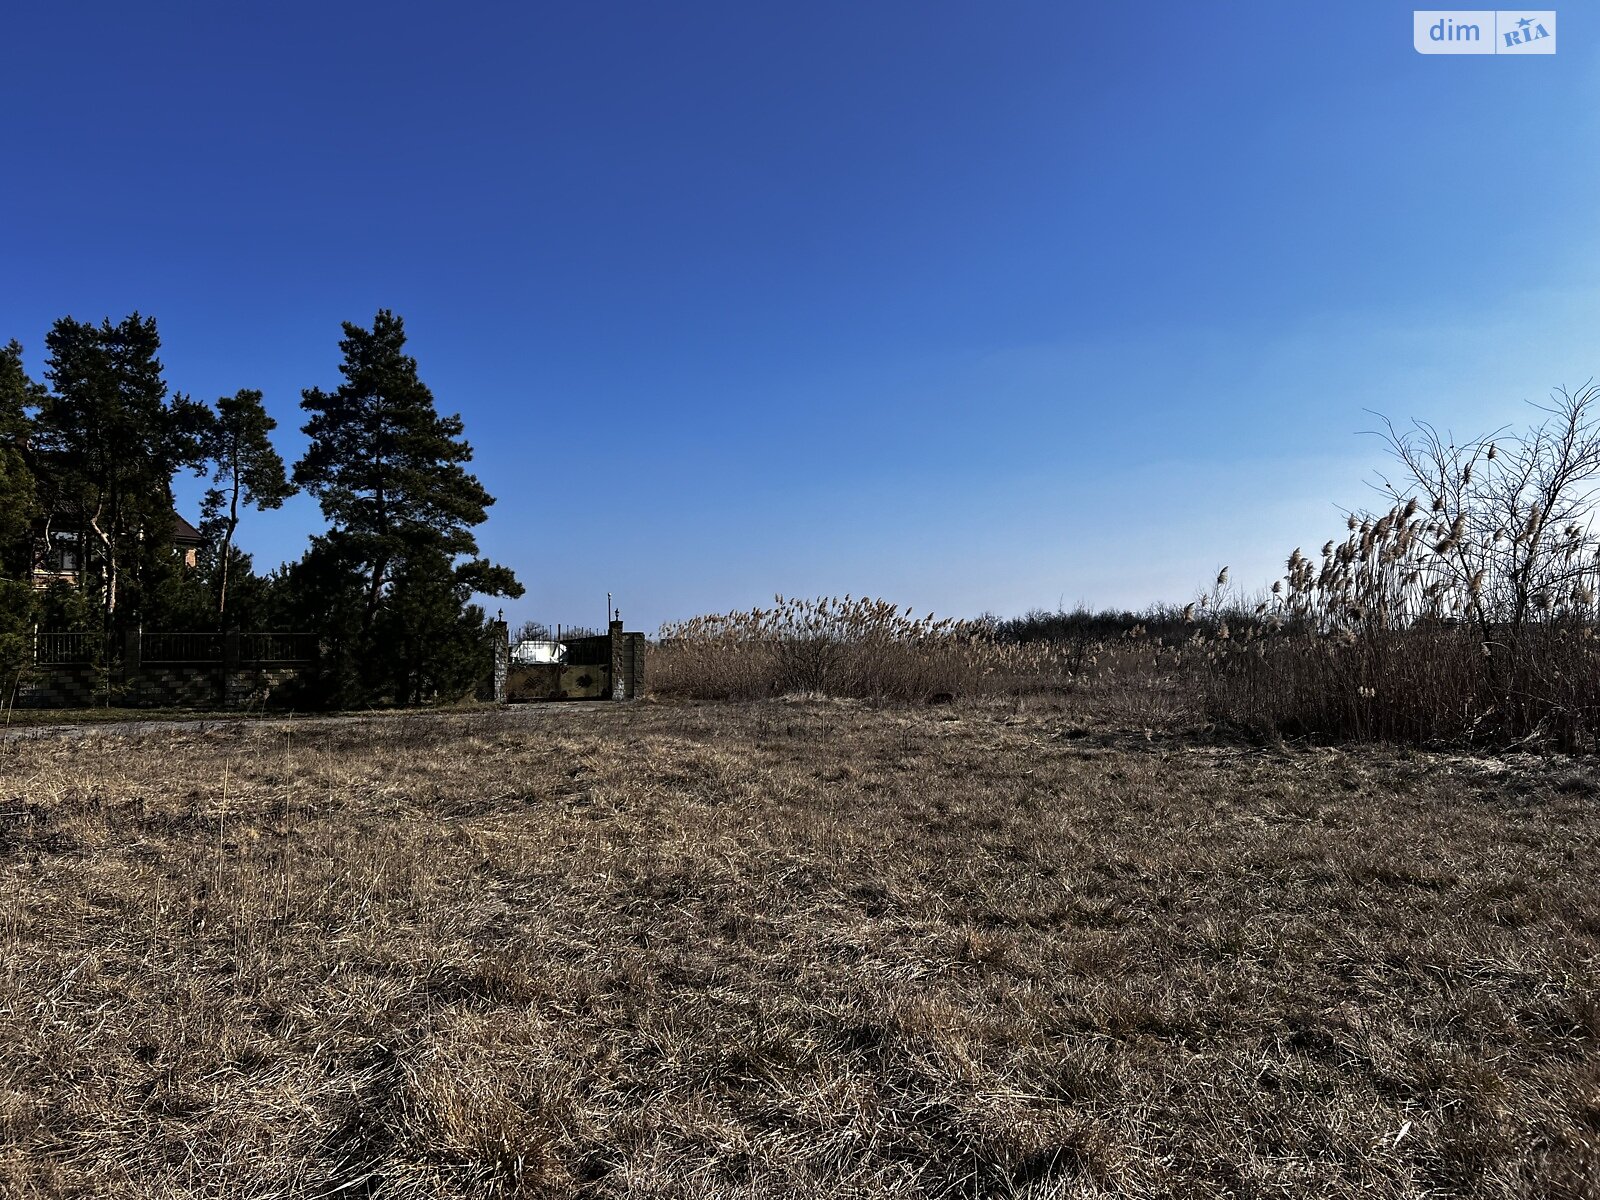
x=60 y=649
x=176 y=648
x=181 y=647
x=277 y=647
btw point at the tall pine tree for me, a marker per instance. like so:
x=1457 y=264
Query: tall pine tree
x=390 y=474
x=248 y=471
x=18 y=493
x=18 y=513
x=110 y=439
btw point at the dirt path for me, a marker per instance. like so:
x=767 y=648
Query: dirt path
x=232 y=724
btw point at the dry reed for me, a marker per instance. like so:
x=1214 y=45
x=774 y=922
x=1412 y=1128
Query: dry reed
x=851 y=647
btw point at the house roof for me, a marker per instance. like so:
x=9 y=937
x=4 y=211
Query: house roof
x=183 y=533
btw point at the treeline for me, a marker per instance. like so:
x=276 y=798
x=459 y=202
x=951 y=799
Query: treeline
x=90 y=539
x=1088 y=626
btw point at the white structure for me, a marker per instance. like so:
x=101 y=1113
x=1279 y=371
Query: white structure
x=529 y=652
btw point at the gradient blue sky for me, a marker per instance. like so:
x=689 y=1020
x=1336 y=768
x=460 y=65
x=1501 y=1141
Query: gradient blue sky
x=973 y=306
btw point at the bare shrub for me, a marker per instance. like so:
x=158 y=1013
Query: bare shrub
x=1464 y=611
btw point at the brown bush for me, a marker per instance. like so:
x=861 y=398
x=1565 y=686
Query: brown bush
x=1464 y=612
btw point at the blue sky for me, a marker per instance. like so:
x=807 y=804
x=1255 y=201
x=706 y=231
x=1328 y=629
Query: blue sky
x=970 y=306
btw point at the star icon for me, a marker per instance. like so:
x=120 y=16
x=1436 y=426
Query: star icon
x=1525 y=22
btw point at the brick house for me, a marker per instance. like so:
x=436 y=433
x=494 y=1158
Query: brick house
x=59 y=554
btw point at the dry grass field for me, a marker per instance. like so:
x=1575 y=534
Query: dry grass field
x=792 y=948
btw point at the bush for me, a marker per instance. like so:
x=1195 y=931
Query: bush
x=1466 y=612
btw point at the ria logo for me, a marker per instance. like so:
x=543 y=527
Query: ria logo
x=1528 y=31
x=1484 y=31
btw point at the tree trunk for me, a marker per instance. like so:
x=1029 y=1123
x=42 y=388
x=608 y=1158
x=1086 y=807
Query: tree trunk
x=110 y=556
x=374 y=592
x=227 y=547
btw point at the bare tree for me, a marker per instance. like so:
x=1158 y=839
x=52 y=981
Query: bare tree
x=1509 y=517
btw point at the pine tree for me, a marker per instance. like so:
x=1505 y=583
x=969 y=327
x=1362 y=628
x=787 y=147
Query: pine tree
x=323 y=591
x=18 y=492
x=110 y=439
x=247 y=471
x=389 y=472
x=434 y=634
x=18 y=513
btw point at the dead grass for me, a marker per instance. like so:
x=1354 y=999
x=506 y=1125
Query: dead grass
x=792 y=949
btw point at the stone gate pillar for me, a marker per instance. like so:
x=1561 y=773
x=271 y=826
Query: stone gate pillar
x=500 y=638
x=619 y=662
